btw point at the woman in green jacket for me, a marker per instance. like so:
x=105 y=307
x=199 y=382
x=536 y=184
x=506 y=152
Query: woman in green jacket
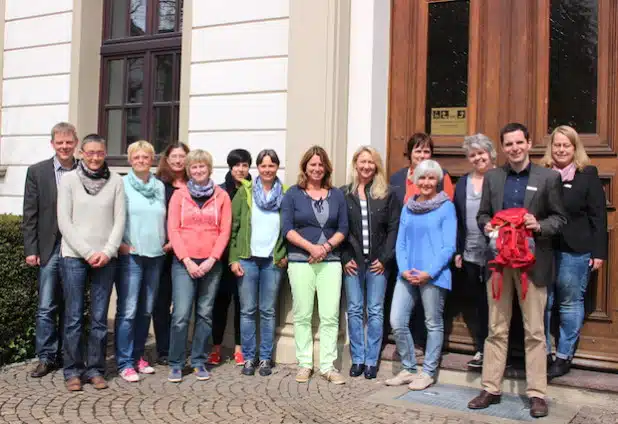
x=257 y=256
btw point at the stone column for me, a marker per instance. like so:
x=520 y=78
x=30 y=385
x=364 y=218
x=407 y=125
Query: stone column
x=319 y=47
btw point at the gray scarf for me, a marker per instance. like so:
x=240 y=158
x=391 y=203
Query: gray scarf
x=93 y=181
x=428 y=205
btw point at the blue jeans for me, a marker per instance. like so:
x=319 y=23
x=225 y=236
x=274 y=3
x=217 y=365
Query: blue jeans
x=75 y=274
x=137 y=284
x=404 y=299
x=187 y=291
x=258 y=288
x=48 y=333
x=569 y=290
x=375 y=287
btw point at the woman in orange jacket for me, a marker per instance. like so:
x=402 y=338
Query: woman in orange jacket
x=199 y=225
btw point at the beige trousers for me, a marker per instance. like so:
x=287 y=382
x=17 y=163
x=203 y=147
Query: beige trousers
x=496 y=344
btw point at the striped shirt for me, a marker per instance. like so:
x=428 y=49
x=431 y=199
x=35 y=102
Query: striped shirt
x=365 y=220
x=59 y=170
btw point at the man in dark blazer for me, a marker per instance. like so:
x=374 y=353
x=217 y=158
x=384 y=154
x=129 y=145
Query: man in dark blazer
x=42 y=243
x=520 y=184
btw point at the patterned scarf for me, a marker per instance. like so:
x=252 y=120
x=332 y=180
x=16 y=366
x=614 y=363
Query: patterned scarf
x=264 y=202
x=201 y=191
x=148 y=189
x=428 y=205
x=567 y=173
x=93 y=181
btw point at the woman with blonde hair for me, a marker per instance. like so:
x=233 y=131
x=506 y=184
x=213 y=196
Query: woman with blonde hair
x=366 y=256
x=582 y=245
x=315 y=222
x=199 y=224
x=140 y=261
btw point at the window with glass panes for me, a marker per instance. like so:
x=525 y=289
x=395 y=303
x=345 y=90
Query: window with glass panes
x=140 y=76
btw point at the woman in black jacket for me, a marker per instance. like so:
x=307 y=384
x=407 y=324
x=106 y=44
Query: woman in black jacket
x=172 y=172
x=582 y=246
x=471 y=255
x=373 y=215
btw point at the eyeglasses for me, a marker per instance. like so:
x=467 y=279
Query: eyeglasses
x=94 y=154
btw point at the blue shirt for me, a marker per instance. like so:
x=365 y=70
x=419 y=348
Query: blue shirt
x=515 y=188
x=426 y=242
x=145 y=225
x=263 y=238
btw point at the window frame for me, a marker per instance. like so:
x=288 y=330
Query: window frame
x=600 y=143
x=148 y=46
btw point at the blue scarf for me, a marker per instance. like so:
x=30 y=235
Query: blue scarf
x=261 y=199
x=428 y=205
x=201 y=191
x=148 y=189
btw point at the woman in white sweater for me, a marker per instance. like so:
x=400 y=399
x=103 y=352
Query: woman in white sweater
x=91 y=219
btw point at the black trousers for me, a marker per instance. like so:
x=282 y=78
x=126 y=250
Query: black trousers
x=475 y=281
x=161 y=314
x=228 y=290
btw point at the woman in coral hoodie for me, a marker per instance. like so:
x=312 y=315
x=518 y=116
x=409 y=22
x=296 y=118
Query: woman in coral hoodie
x=199 y=224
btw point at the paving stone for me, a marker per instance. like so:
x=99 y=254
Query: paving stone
x=228 y=397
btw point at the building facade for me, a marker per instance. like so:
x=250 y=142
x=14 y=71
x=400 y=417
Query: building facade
x=286 y=74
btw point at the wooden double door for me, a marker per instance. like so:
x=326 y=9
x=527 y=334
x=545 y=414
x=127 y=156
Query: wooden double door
x=462 y=67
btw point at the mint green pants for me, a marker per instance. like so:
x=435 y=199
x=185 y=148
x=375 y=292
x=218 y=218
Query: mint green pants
x=307 y=279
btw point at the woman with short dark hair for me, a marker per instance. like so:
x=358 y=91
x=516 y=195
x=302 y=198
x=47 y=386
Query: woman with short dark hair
x=239 y=162
x=91 y=218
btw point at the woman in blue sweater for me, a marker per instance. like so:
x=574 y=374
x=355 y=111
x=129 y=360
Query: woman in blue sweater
x=140 y=261
x=425 y=247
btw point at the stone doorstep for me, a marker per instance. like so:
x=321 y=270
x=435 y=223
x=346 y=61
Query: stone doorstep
x=596 y=381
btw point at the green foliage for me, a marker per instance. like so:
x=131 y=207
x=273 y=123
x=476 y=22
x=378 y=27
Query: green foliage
x=18 y=295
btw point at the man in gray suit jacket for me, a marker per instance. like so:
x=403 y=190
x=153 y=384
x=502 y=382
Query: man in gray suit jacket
x=520 y=184
x=42 y=242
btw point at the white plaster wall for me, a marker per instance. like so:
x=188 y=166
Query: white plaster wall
x=35 y=88
x=368 y=79
x=238 y=83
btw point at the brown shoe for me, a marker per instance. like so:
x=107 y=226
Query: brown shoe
x=538 y=407
x=74 y=384
x=42 y=369
x=98 y=382
x=483 y=400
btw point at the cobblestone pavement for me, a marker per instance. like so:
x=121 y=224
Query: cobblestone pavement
x=227 y=398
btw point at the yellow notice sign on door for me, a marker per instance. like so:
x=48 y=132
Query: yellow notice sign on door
x=448 y=121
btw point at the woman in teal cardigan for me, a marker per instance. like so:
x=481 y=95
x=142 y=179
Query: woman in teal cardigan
x=257 y=256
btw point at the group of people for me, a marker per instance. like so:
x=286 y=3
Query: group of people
x=174 y=240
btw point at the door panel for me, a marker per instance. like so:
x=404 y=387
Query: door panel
x=514 y=75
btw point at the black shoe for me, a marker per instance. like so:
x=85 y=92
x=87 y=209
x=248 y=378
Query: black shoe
x=477 y=361
x=550 y=361
x=371 y=372
x=356 y=370
x=266 y=368
x=162 y=360
x=42 y=369
x=248 y=368
x=559 y=368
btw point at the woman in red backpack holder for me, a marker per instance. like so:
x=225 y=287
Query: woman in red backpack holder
x=471 y=255
x=582 y=245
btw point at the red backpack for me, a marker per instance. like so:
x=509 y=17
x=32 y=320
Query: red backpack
x=513 y=250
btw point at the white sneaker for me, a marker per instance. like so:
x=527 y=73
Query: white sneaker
x=404 y=377
x=143 y=367
x=129 y=374
x=421 y=382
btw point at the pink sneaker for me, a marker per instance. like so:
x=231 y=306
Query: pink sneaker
x=144 y=367
x=129 y=374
